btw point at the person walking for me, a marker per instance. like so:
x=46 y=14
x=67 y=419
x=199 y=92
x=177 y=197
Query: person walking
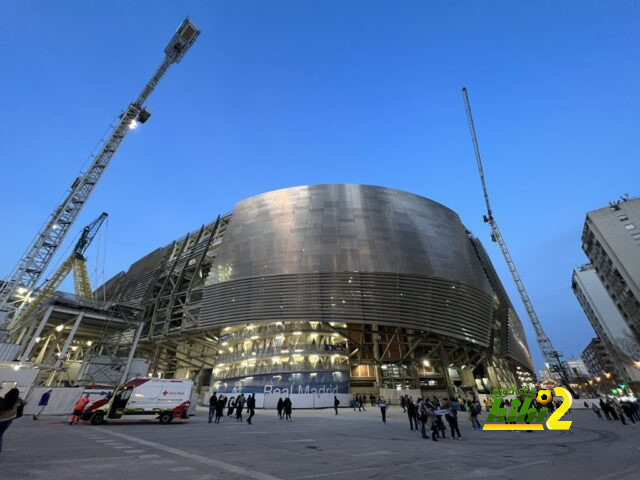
x=372 y=397
x=412 y=413
x=78 y=408
x=11 y=407
x=231 y=405
x=383 y=410
x=423 y=416
x=439 y=412
x=251 y=407
x=220 y=408
x=605 y=409
x=618 y=411
x=213 y=404
x=474 y=410
x=451 y=415
x=403 y=404
x=431 y=419
x=280 y=408
x=336 y=402
x=595 y=409
x=42 y=404
x=240 y=401
x=361 y=405
x=287 y=408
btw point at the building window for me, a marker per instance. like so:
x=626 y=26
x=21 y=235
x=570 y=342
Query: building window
x=630 y=226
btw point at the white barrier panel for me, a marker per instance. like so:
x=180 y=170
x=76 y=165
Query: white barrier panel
x=395 y=395
x=22 y=378
x=61 y=401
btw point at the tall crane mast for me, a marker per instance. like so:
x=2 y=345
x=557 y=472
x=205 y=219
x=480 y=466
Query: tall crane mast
x=550 y=354
x=75 y=263
x=18 y=287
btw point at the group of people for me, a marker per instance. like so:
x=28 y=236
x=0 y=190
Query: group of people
x=217 y=404
x=616 y=410
x=284 y=409
x=430 y=414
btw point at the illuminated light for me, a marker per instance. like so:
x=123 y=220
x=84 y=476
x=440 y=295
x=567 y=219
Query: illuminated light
x=89 y=343
x=224 y=344
x=16 y=367
x=245 y=364
x=220 y=365
x=426 y=363
x=250 y=327
x=255 y=337
x=313 y=335
x=59 y=328
x=275 y=359
x=284 y=351
x=74 y=348
x=608 y=375
x=313 y=358
x=38 y=339
x=220 y=352
x=22 y=291
x=133 y=124
x=138 y=395
x=56 y=226
x=253 y=354
x=231 y=349
x=299 y=350
x=297 y=332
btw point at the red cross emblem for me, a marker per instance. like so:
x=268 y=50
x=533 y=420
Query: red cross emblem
x=165 y=393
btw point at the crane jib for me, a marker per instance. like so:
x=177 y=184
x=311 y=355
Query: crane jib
x=29 y=270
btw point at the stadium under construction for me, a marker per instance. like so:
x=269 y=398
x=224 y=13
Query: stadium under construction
x=327 y=288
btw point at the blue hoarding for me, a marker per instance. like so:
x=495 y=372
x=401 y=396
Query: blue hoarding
x=287 y=383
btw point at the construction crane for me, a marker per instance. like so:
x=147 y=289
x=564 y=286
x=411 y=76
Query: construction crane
x=550 y=354
x=75 y=263
x=17 y=289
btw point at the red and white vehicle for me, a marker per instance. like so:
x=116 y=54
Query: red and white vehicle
x=143 y=399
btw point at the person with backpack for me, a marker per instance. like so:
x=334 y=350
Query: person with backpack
x=336 y=402
x=11 y=407
x=42 y=404
x=474 y=411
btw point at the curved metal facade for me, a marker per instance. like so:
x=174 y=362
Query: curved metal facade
x=352 y=253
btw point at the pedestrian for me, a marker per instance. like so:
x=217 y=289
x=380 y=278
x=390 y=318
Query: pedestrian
x=618 y=411
x=251 y=407
x=439 y=412
x=626 y=409
x=240 y=401
x=595 y=409
x=487 y=404
x=474 y=410
x=431 y=419
x=11 y=407
x=231 y=406
x=451 y=415
x=213 y=404
x=280 y=408
x=372 y=398
x=361 y=405
x=78 y=408
x=403 y=404
x=287 y=408
x=42 y=404
x=423 y=416
x=336 y=402
x=222 y=401
x=412 y=413
x=383 y=410
x=605 y=409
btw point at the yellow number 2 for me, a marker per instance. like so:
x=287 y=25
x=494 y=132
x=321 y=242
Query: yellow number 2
x=554 y=423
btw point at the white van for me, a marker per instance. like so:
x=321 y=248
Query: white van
x=143 y=399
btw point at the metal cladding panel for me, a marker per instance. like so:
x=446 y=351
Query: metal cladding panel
x=303 y=244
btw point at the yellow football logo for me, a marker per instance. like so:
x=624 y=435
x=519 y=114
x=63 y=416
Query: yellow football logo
x=544 y=397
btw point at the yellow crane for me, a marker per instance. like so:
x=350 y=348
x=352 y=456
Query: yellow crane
x=76 y=263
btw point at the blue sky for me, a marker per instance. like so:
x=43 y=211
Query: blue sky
x=283 y=93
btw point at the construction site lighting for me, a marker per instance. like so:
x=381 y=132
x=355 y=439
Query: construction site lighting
x=16 y=367
x=74 y=348
x=133 y=124
x=59 y=328
x=255 y=337
x=38 y=339
x=89 y=343
x=22 y=291
x=297 y=332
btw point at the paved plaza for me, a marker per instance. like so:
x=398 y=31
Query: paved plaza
x=315 y=445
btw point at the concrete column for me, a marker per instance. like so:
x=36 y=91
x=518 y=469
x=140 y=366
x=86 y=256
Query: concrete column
x=132 y=351
x=445 y=370
x=376 y=354
x=27 y=353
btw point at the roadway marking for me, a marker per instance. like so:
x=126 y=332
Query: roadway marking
x=120 y=447
x=151 y=455
x=182 y=469
x=380 y=452
x=134 y=451
x=198 y=458
x=296 y=440
x=632 y=469
x=162 y=462
x=523 y=465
